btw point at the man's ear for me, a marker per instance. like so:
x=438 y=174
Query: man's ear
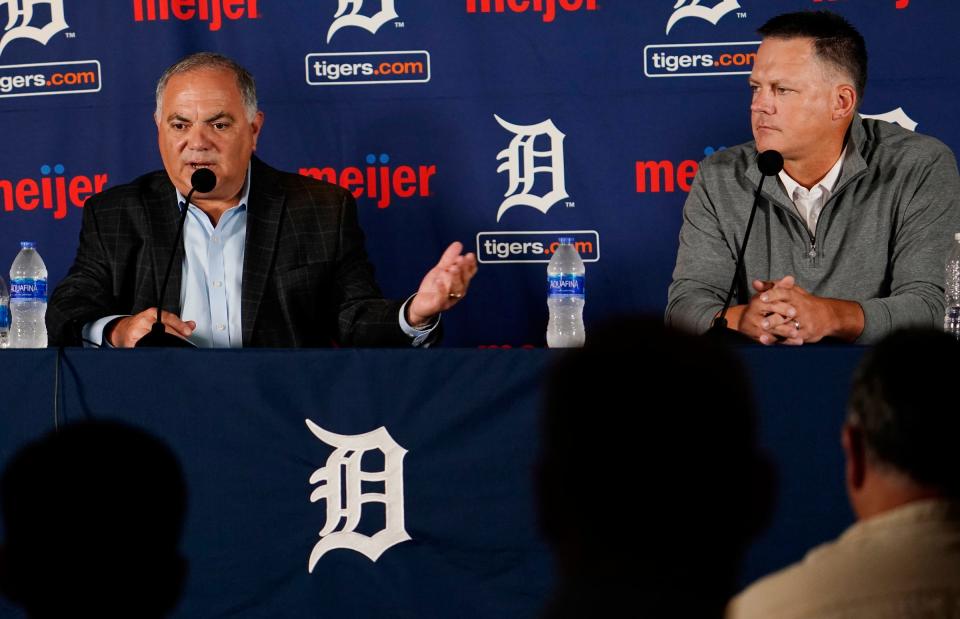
x=855 y=451
x=844 y=101
x=255 y=126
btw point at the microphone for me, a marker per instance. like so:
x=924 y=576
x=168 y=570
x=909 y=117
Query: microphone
x=201 y=181
x=769 y=162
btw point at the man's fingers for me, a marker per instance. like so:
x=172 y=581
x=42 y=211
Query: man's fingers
x=129 y=330
x=777 y=313
x=787 y=282
x=456 y=278
x=445 y=284
x=173 y=324
x=462 y=267
x=469 y=265
x=451 y=253
x=787 y=330
x=777 y=295
x=767 y=340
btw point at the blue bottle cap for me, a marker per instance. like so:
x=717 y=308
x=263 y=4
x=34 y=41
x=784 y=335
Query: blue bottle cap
x=27 y=245
x=566 y=240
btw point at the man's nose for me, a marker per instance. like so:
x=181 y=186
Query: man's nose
x=762 y=102
x=198 y=137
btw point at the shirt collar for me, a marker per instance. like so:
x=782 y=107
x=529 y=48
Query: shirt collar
x=244 y=191
x=936 y=509
x=827 y=183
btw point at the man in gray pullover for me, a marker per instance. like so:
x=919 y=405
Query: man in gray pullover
x=850 y=240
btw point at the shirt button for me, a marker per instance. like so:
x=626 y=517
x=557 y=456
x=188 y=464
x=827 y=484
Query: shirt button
x=215 y=239
x=217 y=284
x=221 y=327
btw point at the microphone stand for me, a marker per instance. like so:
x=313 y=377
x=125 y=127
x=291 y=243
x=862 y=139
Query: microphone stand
x=770 y=162
x=158 y=336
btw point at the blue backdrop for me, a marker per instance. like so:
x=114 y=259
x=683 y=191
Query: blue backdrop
x=604 y=108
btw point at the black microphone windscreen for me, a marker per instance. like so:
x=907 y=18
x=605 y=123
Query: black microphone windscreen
x=203 y=180
x=770 y=162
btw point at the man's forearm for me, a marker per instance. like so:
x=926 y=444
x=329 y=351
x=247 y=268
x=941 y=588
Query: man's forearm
x=847 y=319
x=733 y=316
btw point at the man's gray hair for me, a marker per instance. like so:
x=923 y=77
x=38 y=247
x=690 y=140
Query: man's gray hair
x=214 y=61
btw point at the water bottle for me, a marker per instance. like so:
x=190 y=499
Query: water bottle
x=951 y=287
x=4 y=314
x=28 y=299
x=565 y=297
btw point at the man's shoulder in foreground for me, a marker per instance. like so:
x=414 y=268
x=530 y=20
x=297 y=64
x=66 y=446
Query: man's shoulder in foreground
x=907 y=557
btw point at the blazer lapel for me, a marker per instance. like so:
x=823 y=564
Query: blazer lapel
x=163 y=214
x=263 y=224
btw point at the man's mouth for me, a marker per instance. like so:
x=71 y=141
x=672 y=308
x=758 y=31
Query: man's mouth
x=196 y=165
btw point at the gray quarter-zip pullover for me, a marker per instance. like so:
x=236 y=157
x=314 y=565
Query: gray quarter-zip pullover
x=881 y=239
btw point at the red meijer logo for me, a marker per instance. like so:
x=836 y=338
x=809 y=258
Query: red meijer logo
x=657 y=176
x=213 y=11
x=378 y=182
x=899 y=4
x=547 y=7
x=667 y=176
x=53 y=191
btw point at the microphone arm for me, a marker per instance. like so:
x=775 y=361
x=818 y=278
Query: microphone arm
x=720 y=322
x=203 y=180
x=176 y=243
x=770 y=162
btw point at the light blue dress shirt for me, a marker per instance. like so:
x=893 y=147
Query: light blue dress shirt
x=212 y=279
x=212 y=273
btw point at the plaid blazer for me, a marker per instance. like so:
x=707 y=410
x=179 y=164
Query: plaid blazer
x=306 y=278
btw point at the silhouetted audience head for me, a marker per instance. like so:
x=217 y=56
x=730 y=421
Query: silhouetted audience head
x=93 y=515
x=650 y=479
x=903 y=422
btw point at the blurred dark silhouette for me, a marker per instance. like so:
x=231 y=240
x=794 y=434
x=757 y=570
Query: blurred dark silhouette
x=93 y=515
x=650 y=480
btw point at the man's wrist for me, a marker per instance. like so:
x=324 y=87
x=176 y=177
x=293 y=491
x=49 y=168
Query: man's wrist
x=417 y=322
x=733 y=316
x=848 y=319
x=108 y=331
x=422 y=324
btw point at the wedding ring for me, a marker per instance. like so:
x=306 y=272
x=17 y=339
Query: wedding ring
x=796 y=325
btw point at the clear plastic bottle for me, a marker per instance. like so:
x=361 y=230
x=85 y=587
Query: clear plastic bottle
x=566 y=296
x=4 y=314
x=28 y=299
x=951 y=287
